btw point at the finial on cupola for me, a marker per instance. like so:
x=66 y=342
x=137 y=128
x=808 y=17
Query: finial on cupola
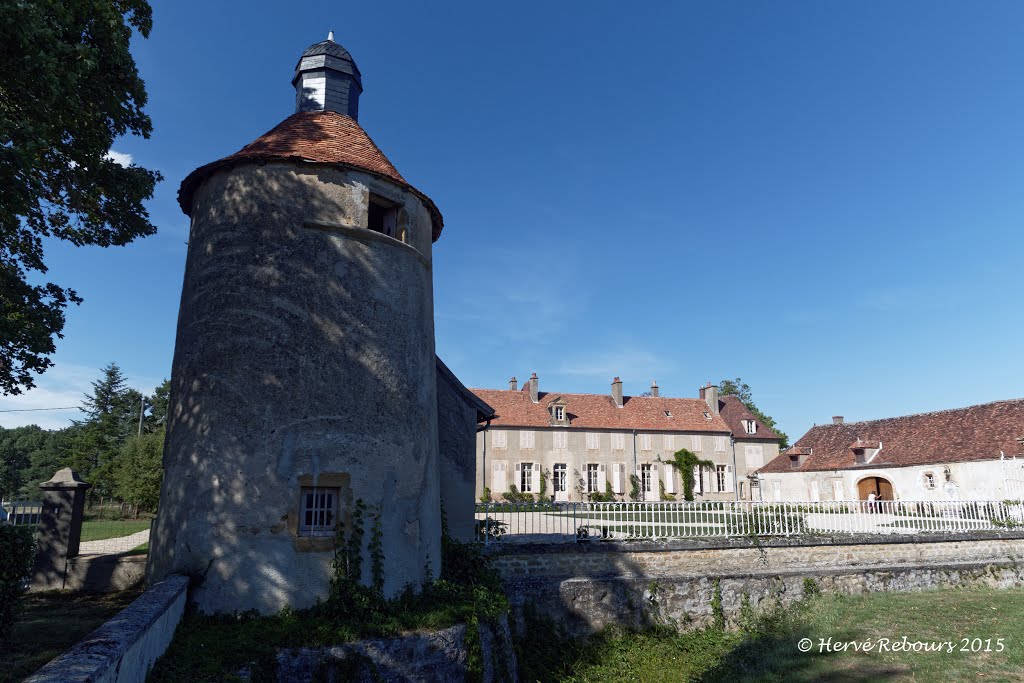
x=327 y=79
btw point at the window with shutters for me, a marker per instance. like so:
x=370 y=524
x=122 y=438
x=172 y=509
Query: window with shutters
x=720 y=477
x=618 y=477
x=618 y=442
x=670 y=478
x=319 y=513
x=593 y=478
x=754 y=455
x=526 y=477
x=559 y=413
x=526 y=440
x=669 y=441
x=499 y=438
x=698 y=480
x=593 y=441
x=695 y=444
x=721 y=444
x=750 y=426
x=645 y=442
x=560 y=439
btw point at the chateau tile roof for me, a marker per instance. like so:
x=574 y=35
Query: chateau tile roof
x=734 y=412
x=598 y=411
x=960 y=435
x=319 y=137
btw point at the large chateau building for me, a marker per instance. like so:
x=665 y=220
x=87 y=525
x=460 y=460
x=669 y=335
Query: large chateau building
x=578 y=446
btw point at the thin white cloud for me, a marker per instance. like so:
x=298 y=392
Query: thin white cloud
x=120 y=158
x=62 y=386
x=631 y=364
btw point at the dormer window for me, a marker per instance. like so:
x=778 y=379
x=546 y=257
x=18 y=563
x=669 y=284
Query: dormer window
x=382 y=216
x=668 y=413
x=707 y=415
x=559 y=413
x=794 y=462
x=858 y=455
x=750 y=426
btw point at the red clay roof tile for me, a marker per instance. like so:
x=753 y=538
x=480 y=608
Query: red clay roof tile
x=320 y=137
x=960 y=435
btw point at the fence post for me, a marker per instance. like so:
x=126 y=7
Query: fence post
x=60 y=527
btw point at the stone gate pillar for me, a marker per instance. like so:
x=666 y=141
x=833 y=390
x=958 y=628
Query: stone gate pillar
x=59 y=528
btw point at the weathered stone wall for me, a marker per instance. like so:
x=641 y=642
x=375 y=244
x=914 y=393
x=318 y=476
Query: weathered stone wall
x=96 y=574
x=439 y=656
x=125 y=648
x=590 y=585
x=456 y=428
x=304 y=357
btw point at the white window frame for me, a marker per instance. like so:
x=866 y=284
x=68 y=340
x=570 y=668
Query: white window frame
x=721 y=444
x=527 y=440
x=559 y=413
x=618 y=442
x=753 y=455
x=696 y=443
x=499 y=476
x=560 y=440
x=318 y=511
x=669 y=441
x=593 y=477
x=618 y=477
x=526 y=479
x=499 y=439
x=750 y=426
x=721 y=480
x=645 y=442
x=593 y=441
x=646 y=479
x=560 y=477
x=670 y=478
x=929 y=481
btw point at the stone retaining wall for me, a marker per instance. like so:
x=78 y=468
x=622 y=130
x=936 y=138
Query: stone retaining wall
x=124 y=649
x=587 y=586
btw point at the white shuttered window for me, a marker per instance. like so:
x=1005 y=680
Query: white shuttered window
x=526 y=440
x=754 y=454
x=499 y=479
x=721 y=444
x=670 y=478
x=645 y=442
x=670 y=443
x=561 y=439
x=499 y=438
x=695 y=445
x=593 y=441
x=618 y=475
x=618 y=442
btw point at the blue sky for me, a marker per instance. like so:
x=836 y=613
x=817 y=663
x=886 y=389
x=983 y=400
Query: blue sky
x=821 y=198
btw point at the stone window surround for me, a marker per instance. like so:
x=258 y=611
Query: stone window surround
x=342 y=481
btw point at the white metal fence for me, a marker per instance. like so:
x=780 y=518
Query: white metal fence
x=566 y=522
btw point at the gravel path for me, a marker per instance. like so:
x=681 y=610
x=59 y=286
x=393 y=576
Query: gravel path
x=108 y=546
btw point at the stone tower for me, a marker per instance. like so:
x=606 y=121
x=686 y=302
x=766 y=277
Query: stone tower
x=304 y=368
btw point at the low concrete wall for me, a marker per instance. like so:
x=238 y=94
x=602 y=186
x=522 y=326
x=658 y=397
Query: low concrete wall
x=124 y=649
x=95 y=574
x=587 y=586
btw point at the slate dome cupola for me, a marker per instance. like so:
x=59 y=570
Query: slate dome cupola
x=327 y=79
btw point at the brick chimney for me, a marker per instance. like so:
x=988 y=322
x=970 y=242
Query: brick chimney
x=617 y=391
x=837 y=419
x=710 y=395
x=513 y=384
x=534 y=388
x=654 y=388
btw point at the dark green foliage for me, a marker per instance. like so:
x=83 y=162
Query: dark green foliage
x=685 y=462
x=738 y=388
x=16 y=557
x=607 y=497
x=69 y=88
x=634 y=488
x=138 y=471
x=811 y=588
x=716 y=604
x=215 y=648
x=661 y=490
x=513 y=495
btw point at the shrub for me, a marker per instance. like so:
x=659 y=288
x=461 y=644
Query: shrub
x=16 y=556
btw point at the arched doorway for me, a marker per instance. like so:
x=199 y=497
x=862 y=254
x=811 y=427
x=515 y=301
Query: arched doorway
x=882 y=488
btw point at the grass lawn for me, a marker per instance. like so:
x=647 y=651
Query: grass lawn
x=770 y=653
x=50 y=622
x=99 y=529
